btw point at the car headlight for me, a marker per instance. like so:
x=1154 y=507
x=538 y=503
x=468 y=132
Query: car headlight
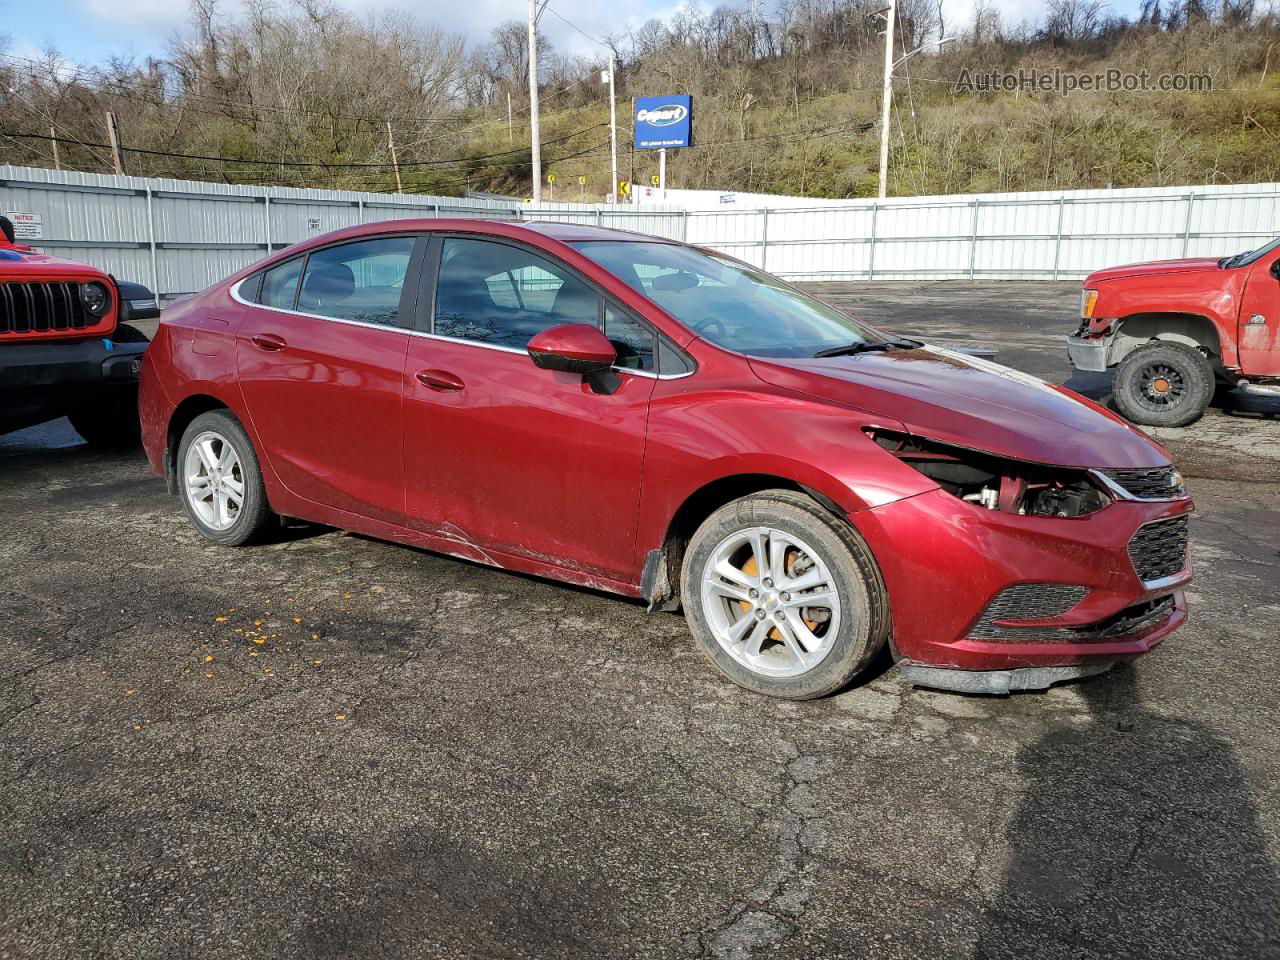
x=1088 y=299
x=96 y=298
x=997 y=483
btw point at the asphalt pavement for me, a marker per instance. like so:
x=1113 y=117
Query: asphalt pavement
x=328 y=746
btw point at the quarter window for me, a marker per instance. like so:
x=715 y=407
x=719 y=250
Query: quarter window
x=359 y=281
x=280 y=285
x=503 y=295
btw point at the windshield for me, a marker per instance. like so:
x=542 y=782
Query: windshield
x=727 y=302
x=1250 y=256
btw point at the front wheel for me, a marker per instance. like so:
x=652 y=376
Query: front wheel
x=782 y=597
x=219 y=480
x=1164 y=384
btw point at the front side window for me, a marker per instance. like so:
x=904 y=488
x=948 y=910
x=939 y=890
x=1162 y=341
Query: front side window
x=727 y=302
x=633 y=340
x=280 y=285
x=359 y=281
x=503 y=295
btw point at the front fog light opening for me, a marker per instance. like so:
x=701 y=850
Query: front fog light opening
x=997 y=483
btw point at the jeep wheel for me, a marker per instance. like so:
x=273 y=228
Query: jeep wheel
x=219 y=480
x=1164 y=384
x=783 y=598
x=110 y=420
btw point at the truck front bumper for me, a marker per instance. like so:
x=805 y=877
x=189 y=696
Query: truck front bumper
x=1087 y=353
x=83 y=362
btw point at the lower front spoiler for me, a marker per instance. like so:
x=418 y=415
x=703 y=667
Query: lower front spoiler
x=998 y=682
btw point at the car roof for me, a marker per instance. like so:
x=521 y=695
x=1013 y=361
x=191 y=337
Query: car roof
x=576 y=232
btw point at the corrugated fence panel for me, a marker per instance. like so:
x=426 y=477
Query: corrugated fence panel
x=181 y=236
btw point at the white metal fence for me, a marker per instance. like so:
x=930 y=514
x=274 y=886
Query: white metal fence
x=181 y=236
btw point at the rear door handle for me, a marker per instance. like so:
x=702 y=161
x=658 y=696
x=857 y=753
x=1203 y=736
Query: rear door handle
x=439 y=380
x=268 y=341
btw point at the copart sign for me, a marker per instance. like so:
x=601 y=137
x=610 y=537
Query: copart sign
x=664 y=123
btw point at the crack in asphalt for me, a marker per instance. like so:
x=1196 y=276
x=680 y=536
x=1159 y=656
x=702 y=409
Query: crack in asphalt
x=767 y=915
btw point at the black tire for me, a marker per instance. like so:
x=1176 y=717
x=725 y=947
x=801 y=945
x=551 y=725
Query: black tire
x=110 y=420
x=863 y=624
x=254 y=511
x=1164 y=384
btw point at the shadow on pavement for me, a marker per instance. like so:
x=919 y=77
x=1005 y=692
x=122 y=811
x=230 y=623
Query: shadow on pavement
x=1136 y=837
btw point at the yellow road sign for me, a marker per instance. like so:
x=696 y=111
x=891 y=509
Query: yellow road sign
x=624 y=187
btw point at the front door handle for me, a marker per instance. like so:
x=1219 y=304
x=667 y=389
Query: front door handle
x=268 y=341
x=439 y=380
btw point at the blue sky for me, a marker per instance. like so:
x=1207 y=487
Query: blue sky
x=92 y=30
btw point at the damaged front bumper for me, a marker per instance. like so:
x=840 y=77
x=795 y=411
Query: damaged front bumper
x=1087 y=353
x=1021 y=602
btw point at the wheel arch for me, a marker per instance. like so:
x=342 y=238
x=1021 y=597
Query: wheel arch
x=1191 y=329
x=186 y=411
x=660 y=576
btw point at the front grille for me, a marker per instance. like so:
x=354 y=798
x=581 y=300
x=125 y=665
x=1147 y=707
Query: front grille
x=1158 y=483
x=1026 y=601
x=44 y=307
x=1159 y=549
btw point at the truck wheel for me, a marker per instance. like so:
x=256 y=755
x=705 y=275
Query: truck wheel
x=1164 y=384
x=110 y=421
x=783 y=598
x=219 y=480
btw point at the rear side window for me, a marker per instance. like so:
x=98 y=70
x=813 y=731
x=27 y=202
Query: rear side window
x=280 y=285
x=359 y=281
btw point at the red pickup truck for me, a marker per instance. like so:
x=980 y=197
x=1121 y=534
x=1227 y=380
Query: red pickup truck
x=1177 y=329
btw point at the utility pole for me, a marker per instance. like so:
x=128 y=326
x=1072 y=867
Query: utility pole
x=613 y=136
x=395 y=163
x=886 y=98
x=662 y=171
x=114 y=134
x=535 y=145
x=53 y=138
x=511 y=137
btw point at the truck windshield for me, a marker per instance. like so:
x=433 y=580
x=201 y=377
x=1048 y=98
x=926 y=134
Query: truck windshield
x=1249 y=256
x=729 y=303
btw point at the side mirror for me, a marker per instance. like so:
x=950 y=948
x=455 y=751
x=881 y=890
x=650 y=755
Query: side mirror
x=573 y=348
x=136 y=302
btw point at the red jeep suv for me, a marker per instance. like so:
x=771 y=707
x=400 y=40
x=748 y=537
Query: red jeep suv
x=643 y=417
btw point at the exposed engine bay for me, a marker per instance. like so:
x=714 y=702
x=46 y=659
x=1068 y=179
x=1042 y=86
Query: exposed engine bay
x=996 y=483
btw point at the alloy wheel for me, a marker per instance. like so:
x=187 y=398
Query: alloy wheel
x=214 y=480
x=771 y=601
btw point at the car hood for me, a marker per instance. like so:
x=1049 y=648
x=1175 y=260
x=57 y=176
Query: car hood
x=971 y=403
x=1154 y=268
x=17 y=262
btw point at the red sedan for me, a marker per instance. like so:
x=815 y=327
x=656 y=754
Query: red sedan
x=647 y=418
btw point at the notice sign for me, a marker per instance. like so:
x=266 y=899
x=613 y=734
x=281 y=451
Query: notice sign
x=26 y=226
x=663 y=123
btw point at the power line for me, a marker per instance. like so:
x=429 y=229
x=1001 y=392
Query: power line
x=558 y=16
x=301 y=163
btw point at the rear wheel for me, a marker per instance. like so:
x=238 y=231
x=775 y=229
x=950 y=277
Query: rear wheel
x=783 y=598
x=1164 y=384
x=220 y=481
